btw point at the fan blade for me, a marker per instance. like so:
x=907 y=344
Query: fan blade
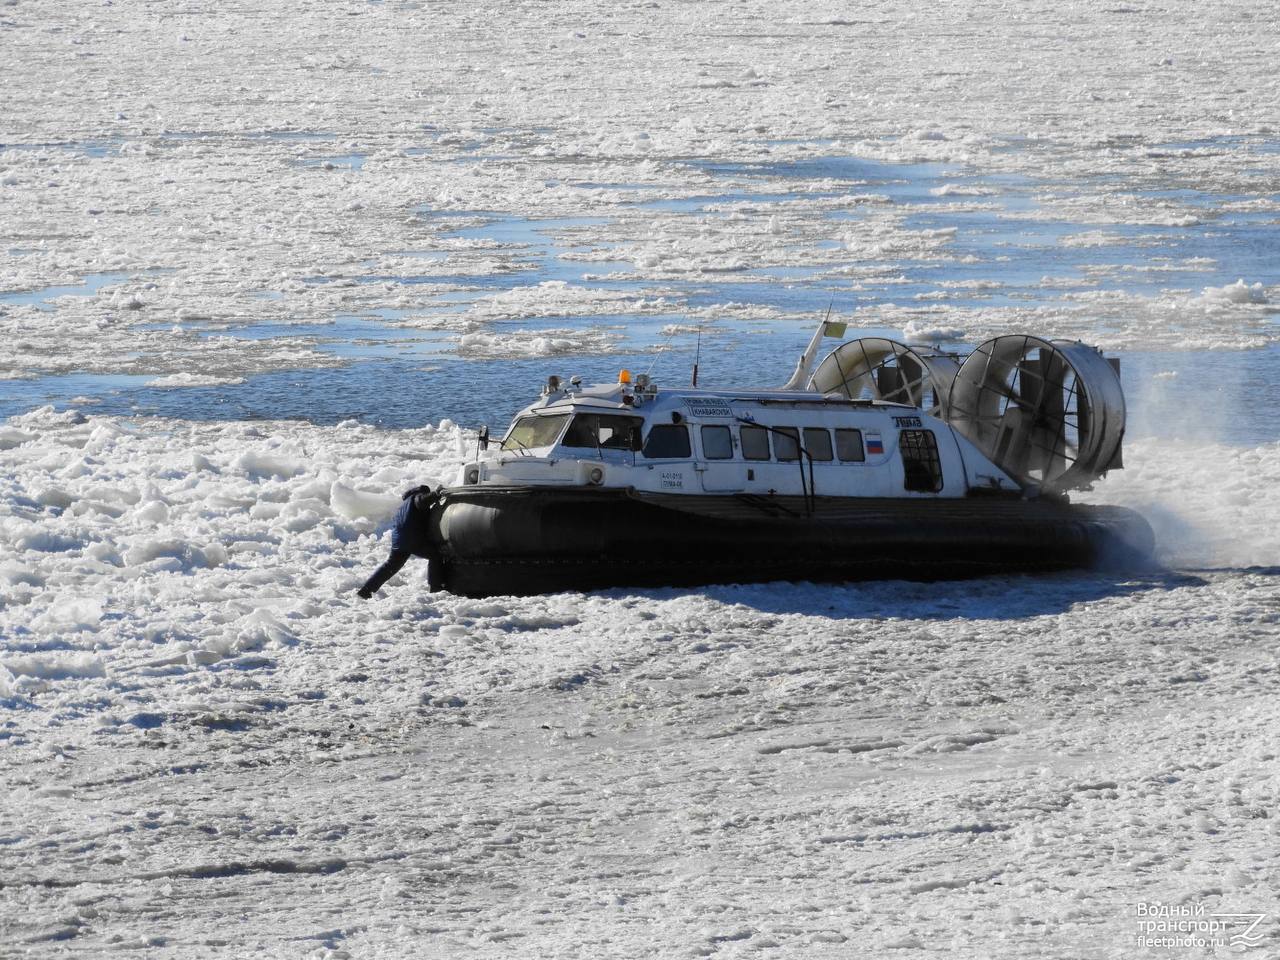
x=1029 y=385
x=913 y=375
x=1046 y=453
x=889 y=383
x=1051 y=416
x=1055 y=371
x=1012 y=448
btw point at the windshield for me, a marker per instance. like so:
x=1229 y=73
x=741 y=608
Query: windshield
x=530 y=432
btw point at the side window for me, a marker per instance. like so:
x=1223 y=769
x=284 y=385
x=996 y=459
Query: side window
x=717 y=443
x=605 y=430
x=615 y=432
x=921 y=468
x=849 y=446
x=818 y=442
x=755 y=443
x=667 y=441
x=581 y=432
x=786 y=443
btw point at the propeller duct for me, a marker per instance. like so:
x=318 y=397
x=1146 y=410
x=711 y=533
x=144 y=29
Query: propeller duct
x=874 y=368
x=1047 y=412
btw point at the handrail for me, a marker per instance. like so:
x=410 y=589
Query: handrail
x=808 y=491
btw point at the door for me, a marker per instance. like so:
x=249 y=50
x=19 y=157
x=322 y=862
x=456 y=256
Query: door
x=717 y=467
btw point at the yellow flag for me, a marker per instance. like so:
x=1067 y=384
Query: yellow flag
x=834 y=329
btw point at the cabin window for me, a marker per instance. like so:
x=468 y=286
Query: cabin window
x=667 y=441
x=849 y=446
x=786 y=443
x=755 y=443
x=818 y=443
x=530 y=432
x=717 y=443
x=921 y=468
x=608 y=431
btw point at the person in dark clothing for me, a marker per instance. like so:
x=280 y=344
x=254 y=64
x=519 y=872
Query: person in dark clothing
x=408 y=539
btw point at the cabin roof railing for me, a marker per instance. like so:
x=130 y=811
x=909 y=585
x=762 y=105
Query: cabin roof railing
x=570 y=402
x=826 y=402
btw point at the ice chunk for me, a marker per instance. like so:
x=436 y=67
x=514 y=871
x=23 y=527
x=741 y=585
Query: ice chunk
x=537 y=343
x=960 y=190
x=927 y=333
x=262 y=465
x=102 y=436
x=186 y=555
x=62 y=667
x=45 y=541
x=1238 y=292
x=70 y=613
x=296 y=521
x=13 y=437
x=907 y=941
x=53 y=497
x=57 y=790
x=361 y=504
x=261 y=629
x=17 y=573
x=193 y=380
x=152 y=512
x=317 y=489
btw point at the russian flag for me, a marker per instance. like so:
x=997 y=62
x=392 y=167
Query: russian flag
x=874 y=445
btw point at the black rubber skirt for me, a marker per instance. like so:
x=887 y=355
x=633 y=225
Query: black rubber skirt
x=526 y=540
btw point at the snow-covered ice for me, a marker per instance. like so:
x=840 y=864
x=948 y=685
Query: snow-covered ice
x=373 y=216
x=202 y=722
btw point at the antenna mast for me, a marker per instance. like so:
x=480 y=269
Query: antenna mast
x=697 y=356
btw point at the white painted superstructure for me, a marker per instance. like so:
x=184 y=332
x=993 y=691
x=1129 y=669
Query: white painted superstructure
x=755 y=442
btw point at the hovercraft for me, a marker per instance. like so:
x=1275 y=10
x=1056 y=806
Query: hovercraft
x=886 y=461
